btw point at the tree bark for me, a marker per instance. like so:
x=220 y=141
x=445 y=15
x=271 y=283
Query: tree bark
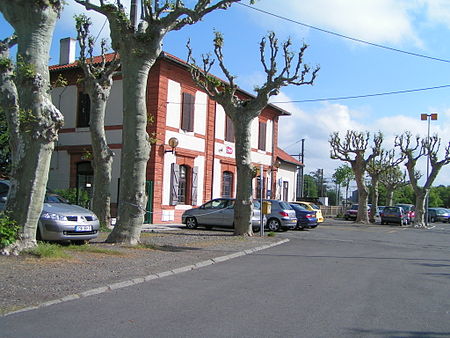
x=102 y=154
x=389 y=195
x=419 y=219
x=374 y=196
x=135 y=149
x=244 y=205
x=36 y=127
x=359 y=170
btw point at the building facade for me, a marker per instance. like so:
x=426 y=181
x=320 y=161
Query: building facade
x=192 y=160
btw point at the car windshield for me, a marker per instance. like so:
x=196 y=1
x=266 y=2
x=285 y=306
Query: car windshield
x=391 y=209
x=54 y=199
x=256 y=205
x=298 y=207
x=285 y=206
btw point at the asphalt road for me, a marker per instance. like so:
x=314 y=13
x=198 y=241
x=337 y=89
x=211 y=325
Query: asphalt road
x=334 y=281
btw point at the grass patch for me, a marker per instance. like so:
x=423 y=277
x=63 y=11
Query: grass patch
x=149 y=246
x=48 y=250
x=271 y=234
x=93 y=249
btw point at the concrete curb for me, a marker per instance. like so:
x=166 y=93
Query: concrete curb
x=139 y=280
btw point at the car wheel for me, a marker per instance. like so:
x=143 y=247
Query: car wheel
x=191 y=223
x=256 y=229
x=432 y=219
x=299 y=227
x=273 y=224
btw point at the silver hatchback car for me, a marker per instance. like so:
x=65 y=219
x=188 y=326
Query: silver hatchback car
x=282 y=216
x=60 y=221
x=218 y=212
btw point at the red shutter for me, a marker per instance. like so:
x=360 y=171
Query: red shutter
x=262 y=136
x=187 y=112
x=229 y=129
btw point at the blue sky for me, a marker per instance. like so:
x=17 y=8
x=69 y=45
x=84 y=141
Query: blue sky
x=348 y=68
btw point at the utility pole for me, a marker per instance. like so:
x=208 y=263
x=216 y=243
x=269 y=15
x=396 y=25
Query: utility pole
x=300 y=177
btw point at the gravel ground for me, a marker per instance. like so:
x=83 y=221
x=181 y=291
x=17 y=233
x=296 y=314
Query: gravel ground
x=26 y=280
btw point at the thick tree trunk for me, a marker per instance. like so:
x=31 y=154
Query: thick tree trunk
x=363 y=195
x=374 y=196
x=135 y=150
x=244 y=206
x=39 y=119
x=389 y=196
x=102 y=154
x=419 y=220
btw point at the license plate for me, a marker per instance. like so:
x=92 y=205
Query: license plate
x=83 y=228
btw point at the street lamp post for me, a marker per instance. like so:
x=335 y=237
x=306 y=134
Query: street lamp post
x=428 y=117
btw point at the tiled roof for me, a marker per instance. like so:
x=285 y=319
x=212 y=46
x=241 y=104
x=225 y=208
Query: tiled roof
x=96 y=60
x=282 y=155
x=110 y=56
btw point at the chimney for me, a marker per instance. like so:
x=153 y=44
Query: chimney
x=67 y=51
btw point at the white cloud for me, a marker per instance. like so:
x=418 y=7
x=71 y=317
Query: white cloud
x=378 y=21
x=316 y=125
x=437 y=11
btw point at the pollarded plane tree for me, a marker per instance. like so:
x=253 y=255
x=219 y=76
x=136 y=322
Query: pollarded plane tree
x=139 y=45
x=393 y=179
x=97 y=83
x=33 y=121
x=352 y=149
x=375 y=168
x=414 y=149
x=242 y=111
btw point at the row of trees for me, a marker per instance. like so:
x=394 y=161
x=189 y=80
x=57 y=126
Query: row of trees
x=367 y=156
x=34 y=122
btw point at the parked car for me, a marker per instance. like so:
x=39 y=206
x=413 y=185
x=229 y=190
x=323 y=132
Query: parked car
x=282 y=216
x=352 y=212
x=305 y=218
x=394 y=215
x=218 y=212
x=59 y=220
x=410 y=209
x=312 y=207
x=438 y=215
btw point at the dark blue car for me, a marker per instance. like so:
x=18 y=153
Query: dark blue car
x=305 y=218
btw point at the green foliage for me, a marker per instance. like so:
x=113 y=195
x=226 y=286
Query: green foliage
x=25 y=70
x=434 y=199
x=310 y=187
x=93 y=249
x=271 y=234
x=5 y=151
x=26 y=119
x=5 y=63
x=71 y=195
x=405 y=195
x=61 y=81
x=9 y=231
x=444 y=195
x=48 y=250
x=58 y=251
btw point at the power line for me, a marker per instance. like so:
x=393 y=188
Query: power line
x=365 y=95
x=101 y=29
x=396 y=92
x=346 y=36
